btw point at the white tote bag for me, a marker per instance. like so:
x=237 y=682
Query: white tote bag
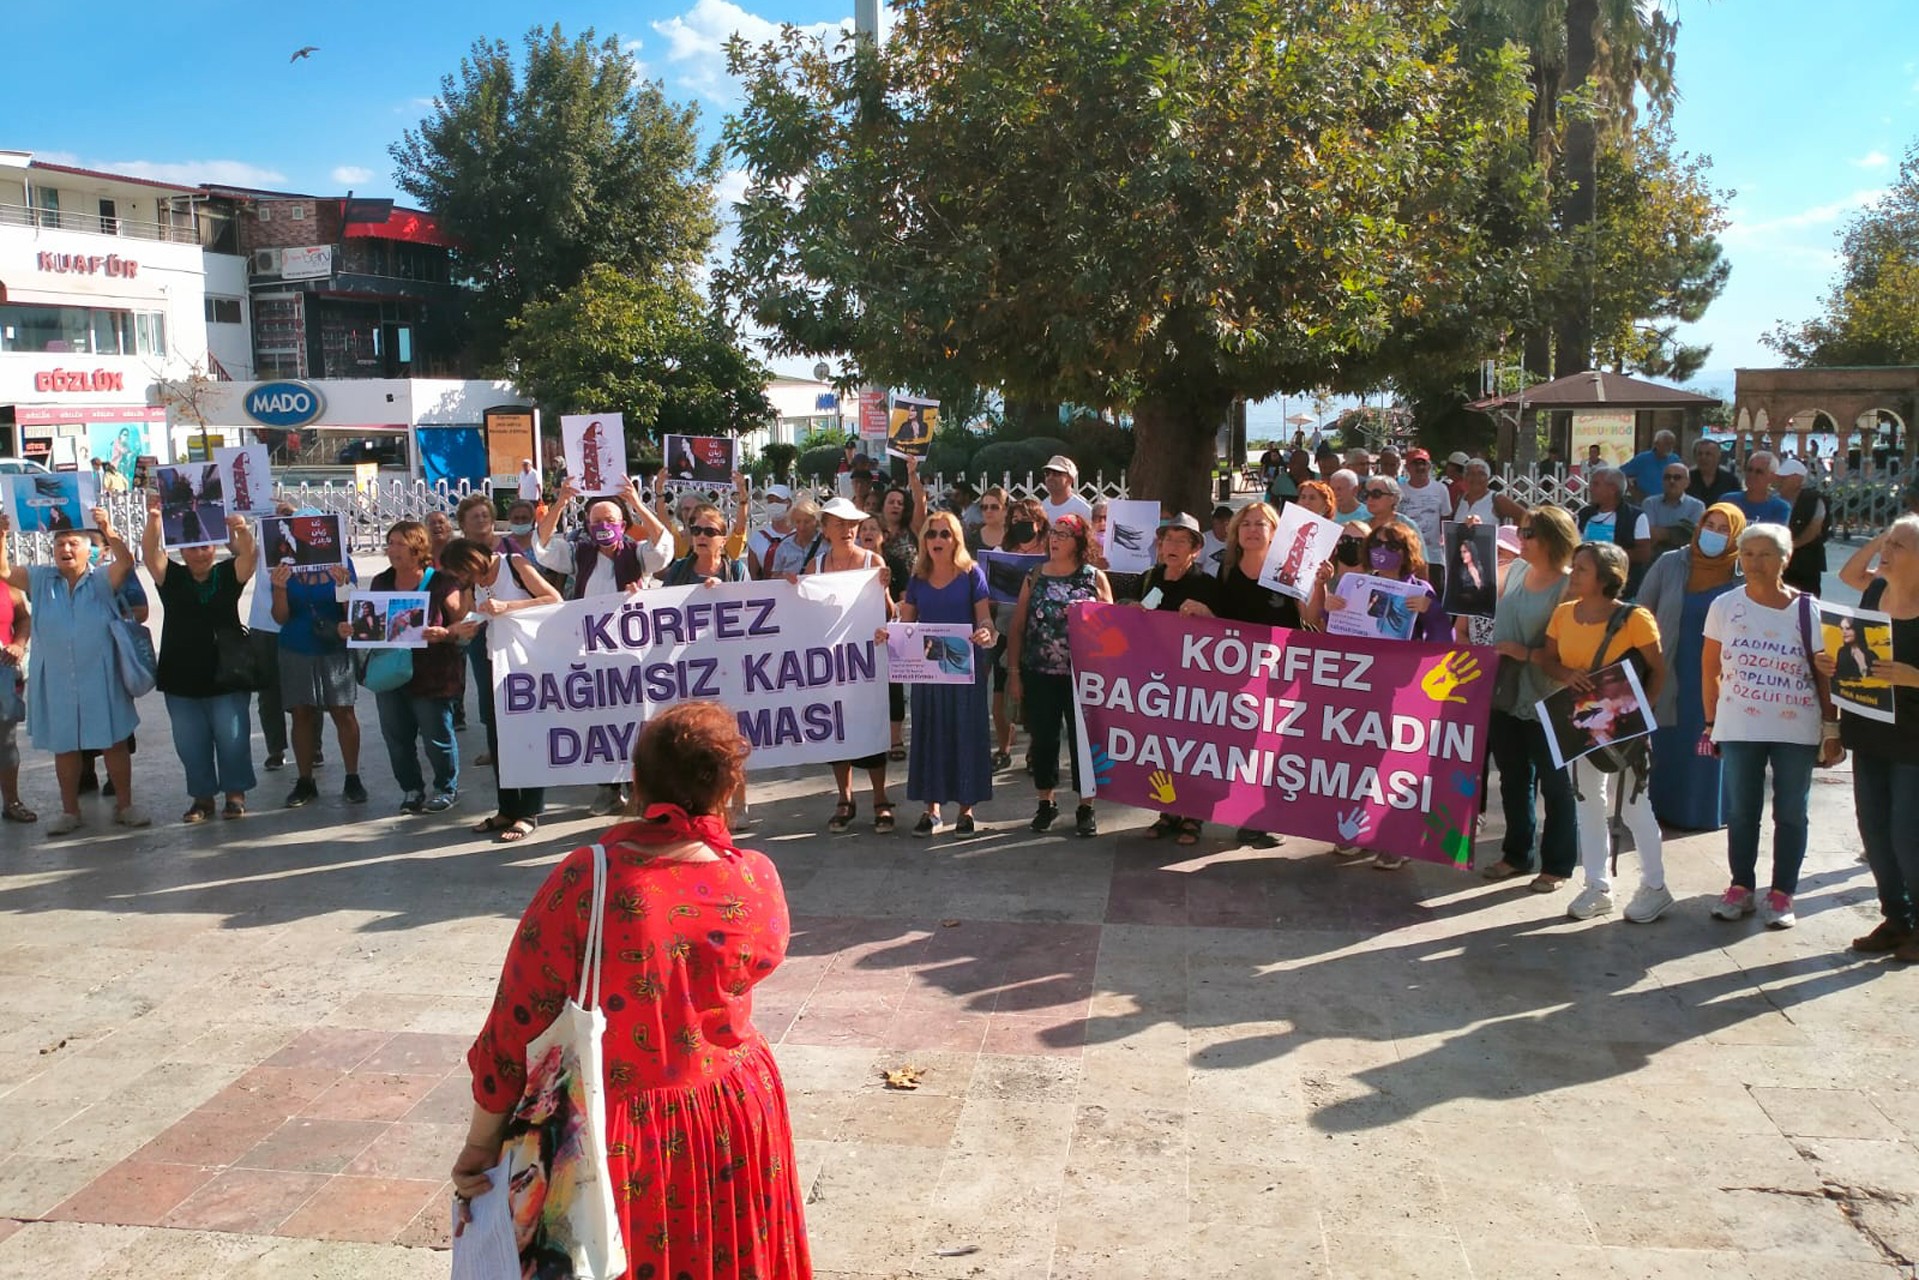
x=554 y=1156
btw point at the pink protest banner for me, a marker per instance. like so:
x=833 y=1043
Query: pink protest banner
x=1346 y=739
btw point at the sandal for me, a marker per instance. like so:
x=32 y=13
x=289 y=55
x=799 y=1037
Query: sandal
x=897 y=753
x=1501 y=870
x=843 y=814
x=1002 y=760
x=234 y=809
x=17 y=812
x=1544 y=883
x=882 y=816
x=493 y=822
x=197 y=812
x=1166 y=825
x=1189 y=829
x=516 y=830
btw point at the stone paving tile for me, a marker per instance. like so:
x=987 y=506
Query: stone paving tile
x=252 y=1201
x=369 y=1210
x=306 y=1144
x=134 y=1193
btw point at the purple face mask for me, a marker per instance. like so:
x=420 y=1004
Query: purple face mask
x=1385 y=560
x=605 y=534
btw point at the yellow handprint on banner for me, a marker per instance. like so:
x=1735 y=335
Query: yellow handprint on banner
x=1455 y=669
x=1161 y=783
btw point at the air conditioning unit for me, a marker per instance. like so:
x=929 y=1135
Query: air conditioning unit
x=266 y=262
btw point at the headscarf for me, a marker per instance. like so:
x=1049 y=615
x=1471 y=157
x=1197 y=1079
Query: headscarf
x=1707 y=571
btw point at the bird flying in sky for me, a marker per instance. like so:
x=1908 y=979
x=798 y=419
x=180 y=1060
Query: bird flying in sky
x=306 y=51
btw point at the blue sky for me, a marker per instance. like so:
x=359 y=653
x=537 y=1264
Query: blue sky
x=1804 y=109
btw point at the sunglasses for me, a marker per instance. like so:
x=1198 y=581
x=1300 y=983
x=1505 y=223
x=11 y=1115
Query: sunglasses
x=989 y=506
x=703 y=531
x=931 y=534
x=1525 y=531
x=1376 y=493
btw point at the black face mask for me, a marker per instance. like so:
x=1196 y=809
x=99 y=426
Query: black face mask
x=1346 y=551
x=1021 y=532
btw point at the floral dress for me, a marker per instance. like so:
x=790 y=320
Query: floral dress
x=698 y=1137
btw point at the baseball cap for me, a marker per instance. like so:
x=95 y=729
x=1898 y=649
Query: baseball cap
x=1222 y=510
x=1789 y=468
x=843 y=508
x=778 y=493
x=1064 y=465
x=1418 y=455
x=1458 y=458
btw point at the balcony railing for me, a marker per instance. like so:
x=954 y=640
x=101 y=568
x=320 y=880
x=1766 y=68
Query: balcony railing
x=19 y=215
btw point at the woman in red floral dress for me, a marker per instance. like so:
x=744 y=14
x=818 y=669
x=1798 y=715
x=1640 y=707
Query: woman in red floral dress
x=698 y=1138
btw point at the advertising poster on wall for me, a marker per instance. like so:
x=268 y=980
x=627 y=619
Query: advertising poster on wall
x=1612 y=430
x=118 y=443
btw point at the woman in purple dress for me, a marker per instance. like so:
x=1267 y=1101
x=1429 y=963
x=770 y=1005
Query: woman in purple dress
x=951 y=759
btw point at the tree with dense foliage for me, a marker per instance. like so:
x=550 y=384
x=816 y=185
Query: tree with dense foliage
x=653 y=349
x=1871 y=314
x=1160 y=206
x=542 y=170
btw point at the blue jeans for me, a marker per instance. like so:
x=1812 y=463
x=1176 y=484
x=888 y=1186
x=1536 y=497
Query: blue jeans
x=404 y=719
x=214 y=739
x=1885 y=793
x=1519 y=749
x=1745 y=788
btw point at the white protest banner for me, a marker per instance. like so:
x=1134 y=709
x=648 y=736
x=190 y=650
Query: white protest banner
x=796 y=662
x=1131 y=527
x=1303 y=542
x=594 y=445
x=1374 y=607
x=929 y=652
x=246 y=477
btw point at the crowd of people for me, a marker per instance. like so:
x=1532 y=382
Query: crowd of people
x=1681 y=570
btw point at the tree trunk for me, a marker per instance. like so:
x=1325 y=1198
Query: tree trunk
x=1575 y=341
x=1175 y=445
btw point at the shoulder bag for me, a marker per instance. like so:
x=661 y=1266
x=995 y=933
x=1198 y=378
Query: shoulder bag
x=133 y=651
x=559 y=1128
x=385 y=670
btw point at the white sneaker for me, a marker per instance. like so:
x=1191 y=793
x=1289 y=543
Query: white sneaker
x=1590 y=902
x=1648 y=904
x=65 y=825
x=1734 y=904
x=1776 y=911
x=1388 y=861
x=1348 y=851
x=132 y=817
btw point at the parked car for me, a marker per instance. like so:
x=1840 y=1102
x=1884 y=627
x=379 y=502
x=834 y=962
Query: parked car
x=22 y=467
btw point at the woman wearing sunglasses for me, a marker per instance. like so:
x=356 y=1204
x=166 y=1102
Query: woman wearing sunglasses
x=951 y=760
x=840 y=523
x=707 y=561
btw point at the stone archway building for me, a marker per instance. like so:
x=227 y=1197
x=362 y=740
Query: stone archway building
x=1786 y=404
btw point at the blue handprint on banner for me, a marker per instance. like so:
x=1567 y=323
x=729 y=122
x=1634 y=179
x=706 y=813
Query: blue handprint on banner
x=1102 y=767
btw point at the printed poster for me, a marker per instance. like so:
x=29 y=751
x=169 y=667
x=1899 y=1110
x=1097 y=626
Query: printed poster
x=1857 y=640
x=118 y=443
x=1472 y=569
x=247 y=478
x=193 y=507
x=1613 y=711
x=52 y=503
x=874 y=420
x=1132 y=529
x=386 y=619
x=1301 y=545
x=1373 y=607
x=594 y=445
x=909 y=433
x=1347 y=740
x=704 y=462
x=305 y=542
x=929 y=652
x=1614 y=431
x=1006 y=573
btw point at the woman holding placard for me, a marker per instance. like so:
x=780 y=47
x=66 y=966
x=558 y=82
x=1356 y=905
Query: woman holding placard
x=1885 y=755
x=952 y=756
x=1591 y=629
x=1040 y=671
x=841 y=554
x=200 y=600
x=421 y=710
x=1177 y=585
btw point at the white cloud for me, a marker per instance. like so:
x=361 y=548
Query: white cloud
x=351 y=175
x=696 y=44
x=1820 y=215
x=189 y=173
x=1874 y=159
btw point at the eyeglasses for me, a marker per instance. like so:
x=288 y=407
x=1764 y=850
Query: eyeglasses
x=704 y=532
x=931 y=534
x=989 y=506
x=1525 y=531
x=1759 y=471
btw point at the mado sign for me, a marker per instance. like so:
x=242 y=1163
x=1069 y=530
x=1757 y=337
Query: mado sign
x=284 y=404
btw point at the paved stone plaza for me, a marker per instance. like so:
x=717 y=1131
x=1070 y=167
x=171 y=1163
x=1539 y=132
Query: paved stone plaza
x=236 y=1050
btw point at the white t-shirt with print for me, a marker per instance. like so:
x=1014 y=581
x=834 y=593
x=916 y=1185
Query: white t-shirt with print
x=1071 y=505
x=1766 y=690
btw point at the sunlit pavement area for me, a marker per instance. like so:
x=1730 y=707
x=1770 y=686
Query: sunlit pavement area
x=236 y=1050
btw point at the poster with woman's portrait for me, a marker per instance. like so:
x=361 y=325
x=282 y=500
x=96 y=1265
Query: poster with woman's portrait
x=910 y=430
x=1302 y=544
x=193 y=506
x=386 y=620
x=305 y=542
x=1613 y=711
x=1857 y=640
x=929 y=652
x=1472 y=569
x=706 y=462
